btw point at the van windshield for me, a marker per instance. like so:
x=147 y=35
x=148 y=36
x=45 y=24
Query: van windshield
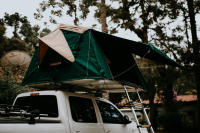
x=45 y=104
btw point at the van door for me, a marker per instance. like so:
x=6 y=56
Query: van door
x=83 y=118
x=113 y=119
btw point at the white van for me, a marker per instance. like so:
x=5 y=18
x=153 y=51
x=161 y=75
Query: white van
x=63 y=112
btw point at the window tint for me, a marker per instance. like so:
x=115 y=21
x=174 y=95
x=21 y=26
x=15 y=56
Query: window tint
x=109 y=113
x=45 y=104
x=82 y=110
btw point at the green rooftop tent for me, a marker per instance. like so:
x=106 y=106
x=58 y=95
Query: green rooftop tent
x=83 y=58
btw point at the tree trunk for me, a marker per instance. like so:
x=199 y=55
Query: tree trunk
x=152 y=91
x=103 y=17
x=195 y=46
x=15 y=30
x=104 y=29
x=75 y=17
x=153 y=109
x=145 y=23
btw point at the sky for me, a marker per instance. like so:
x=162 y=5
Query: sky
x=28 y=8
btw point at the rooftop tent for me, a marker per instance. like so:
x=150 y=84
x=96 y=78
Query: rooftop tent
x=83 y=58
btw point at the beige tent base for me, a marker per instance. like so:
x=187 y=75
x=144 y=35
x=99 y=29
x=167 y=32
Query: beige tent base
x=87 y=85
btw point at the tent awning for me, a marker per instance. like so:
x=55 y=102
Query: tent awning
x=141 y=49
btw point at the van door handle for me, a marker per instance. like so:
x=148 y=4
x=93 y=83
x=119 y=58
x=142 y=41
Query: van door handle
x=109 y=131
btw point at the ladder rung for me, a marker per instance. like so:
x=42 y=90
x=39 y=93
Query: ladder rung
x=140 y=107
x=144 y=126
x=137 y=103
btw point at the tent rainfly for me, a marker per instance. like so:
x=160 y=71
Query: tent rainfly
x=82 y=58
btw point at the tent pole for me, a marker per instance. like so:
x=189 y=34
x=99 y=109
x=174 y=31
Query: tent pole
x=133 y=110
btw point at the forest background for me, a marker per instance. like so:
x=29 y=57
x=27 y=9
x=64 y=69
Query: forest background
x=170 y=25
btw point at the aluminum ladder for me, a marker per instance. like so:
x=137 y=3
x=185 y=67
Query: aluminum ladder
x=139 y=105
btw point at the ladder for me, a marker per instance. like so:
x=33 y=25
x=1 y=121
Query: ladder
x=139 y=105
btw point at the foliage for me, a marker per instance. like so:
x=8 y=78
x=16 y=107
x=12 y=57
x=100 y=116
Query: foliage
x=13 y=44
x=14 y=20
x=29 y=33
x=25 y=36
x=23 y=29
x=10 y=87
x=9 y=90
x=23 y=40
x=9 y=82
x=73 y=7
x=141 y=120
x=2 y=33
x=45 y=32
x=171 y=121
x=58 y=6
x=185 y=85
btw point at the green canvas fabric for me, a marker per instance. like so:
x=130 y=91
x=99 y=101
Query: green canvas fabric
x=96 y=66
x=137 y=48
x=87 y=65
x=90 y=50
x=133 y=76
x=34 y=75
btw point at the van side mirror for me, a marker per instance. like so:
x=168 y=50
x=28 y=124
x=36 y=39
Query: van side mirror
x=127 y=119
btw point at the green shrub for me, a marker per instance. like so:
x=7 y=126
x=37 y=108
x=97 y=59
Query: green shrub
x=171 y=121
x=10 y=87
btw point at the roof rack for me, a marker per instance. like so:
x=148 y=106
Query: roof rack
x=22 y=111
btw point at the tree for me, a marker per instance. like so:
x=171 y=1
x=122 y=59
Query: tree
x=2 y=38
x=16 y=42
x=189 y=53
x=27 y=33
x=10 y=88
x=45 y=32
x=30 y=34
x=9 y=83
x=7 y=44
x=193 y=8
x=145 y=13
x=103 y=17
x=14 y=21
x=2 y=33
x=141 y=17
x=73 y=8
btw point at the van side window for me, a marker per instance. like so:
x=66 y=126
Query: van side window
x=82 y=110
x=109 y=113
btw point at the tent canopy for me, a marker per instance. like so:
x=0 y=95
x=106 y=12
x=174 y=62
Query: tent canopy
x=141 y=49
x=78 y=57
